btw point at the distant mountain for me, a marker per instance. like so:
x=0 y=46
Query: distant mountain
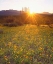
x=9 y=12
x=15 y=12
x=45 y=13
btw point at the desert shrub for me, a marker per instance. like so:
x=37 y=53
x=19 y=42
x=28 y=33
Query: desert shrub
x=9 y=20
x=19 y=23
x=10 y=24
x=5 y=24
x=37 y=19
x=1 y=25
x=51 y=25
x=1 y=31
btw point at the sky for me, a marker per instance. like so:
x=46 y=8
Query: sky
x=37 y=6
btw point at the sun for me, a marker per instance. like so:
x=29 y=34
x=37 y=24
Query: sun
x=31 y=12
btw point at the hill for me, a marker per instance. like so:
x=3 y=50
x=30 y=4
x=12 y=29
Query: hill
x=9 y=12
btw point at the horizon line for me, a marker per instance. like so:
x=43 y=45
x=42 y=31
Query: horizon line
x=22 y=10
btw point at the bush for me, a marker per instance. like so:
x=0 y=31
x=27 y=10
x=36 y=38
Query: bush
x=1 y=31
x=51 y=25
x=10 y=24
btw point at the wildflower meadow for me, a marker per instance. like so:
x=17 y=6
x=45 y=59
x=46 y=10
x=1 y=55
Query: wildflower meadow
x=26 y=44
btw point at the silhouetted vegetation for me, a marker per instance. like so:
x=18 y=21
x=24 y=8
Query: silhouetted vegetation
x=1 y=31
x=36 y=19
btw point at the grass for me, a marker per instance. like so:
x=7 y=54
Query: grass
x=26 y=44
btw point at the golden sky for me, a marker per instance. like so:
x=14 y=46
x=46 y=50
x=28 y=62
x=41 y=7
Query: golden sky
x=34 y=5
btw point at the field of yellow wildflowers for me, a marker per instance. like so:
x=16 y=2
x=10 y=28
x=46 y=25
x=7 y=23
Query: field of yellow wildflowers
x=26 y=44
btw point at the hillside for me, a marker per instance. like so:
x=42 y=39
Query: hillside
x=9 y=12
